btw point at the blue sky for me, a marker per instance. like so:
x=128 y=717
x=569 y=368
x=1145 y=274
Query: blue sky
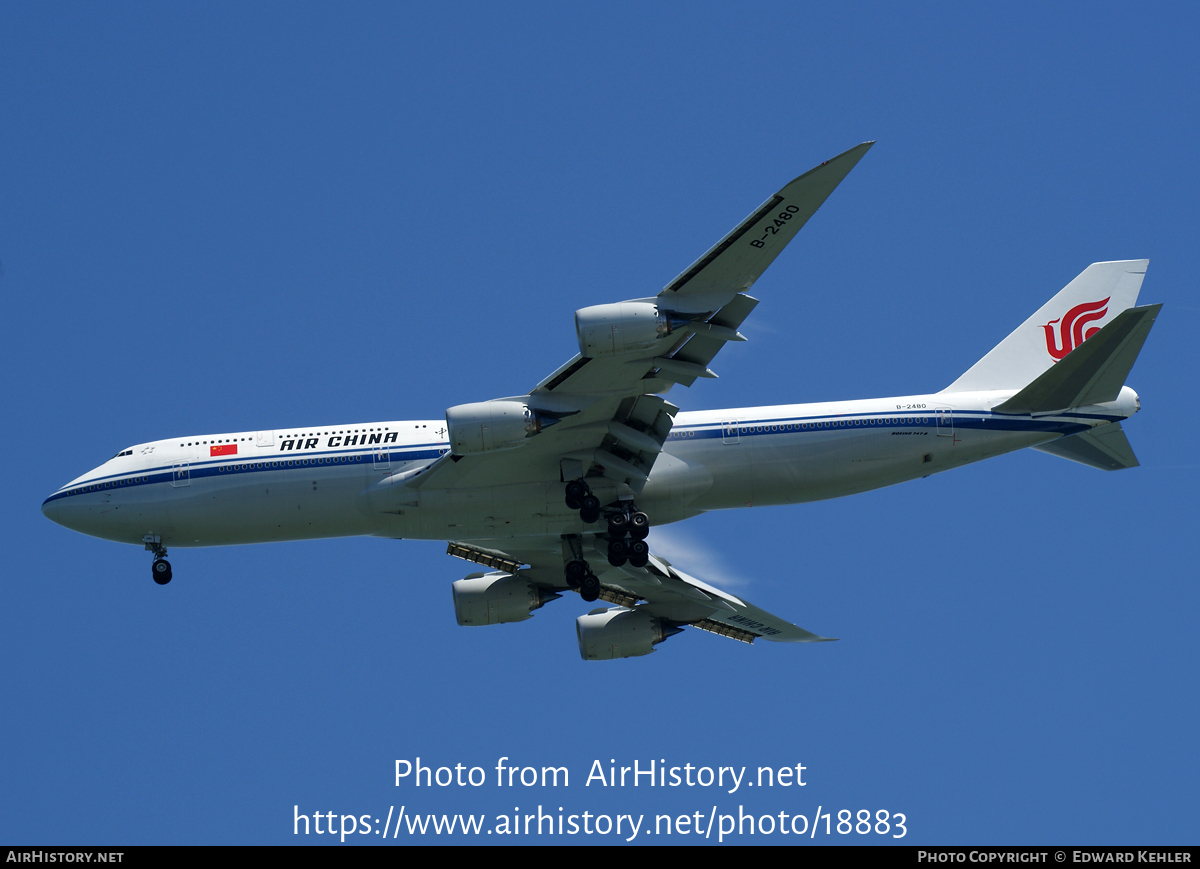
x=231 y=218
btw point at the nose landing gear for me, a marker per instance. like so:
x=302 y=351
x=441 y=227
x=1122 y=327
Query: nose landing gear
x=161 y=568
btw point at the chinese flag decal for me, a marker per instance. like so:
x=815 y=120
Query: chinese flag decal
x=223 y=450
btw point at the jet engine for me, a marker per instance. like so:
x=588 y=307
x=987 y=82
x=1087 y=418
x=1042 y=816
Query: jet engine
x=620 y=633
x=495 y=598
x=606 y=330
x=493 y=425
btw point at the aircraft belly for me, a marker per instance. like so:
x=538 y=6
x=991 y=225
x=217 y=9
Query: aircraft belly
x=517 y=510
x=528 y=509
x=721 y=475
x=976 y=445
x=791 y=468
x=675 y=483
x=265 y=508
x=806 y=469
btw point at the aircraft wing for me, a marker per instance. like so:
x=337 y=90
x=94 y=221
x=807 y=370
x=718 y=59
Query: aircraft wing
x=659 y=589
x=601 y=410
x=714 y=289
x=737 y=260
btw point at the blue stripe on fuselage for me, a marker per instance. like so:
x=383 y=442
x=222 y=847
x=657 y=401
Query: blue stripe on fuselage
x=277 y=462
x=982 y=420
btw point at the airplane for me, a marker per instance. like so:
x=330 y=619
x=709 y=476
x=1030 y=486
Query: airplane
x=554 y=491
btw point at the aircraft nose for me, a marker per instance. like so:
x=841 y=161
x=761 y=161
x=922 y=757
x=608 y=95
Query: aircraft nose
x=52 y=509
x=65 y=511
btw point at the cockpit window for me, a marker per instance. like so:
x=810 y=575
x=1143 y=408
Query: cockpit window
x=128 y=452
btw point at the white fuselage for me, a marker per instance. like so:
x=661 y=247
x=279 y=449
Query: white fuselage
x=340 y=481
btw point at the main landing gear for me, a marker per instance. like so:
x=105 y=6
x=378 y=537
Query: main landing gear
x=636 y=525
x=580 y=497
x=627 y=528
x=161 y=568
x=580 y=576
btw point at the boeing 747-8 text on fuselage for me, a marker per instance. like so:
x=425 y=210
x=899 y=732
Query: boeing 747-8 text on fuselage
x=555 y=490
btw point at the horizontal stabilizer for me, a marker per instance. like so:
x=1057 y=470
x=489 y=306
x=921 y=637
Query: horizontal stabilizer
x=1105 y=448
x=1093 y=372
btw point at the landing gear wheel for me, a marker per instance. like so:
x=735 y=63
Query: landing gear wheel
x=576 y=571
x=589 y=588
x=618 y=524
x=161 y=570
x=577 y=490
x=589 y=511
x=639 y=525
x=618 y=552
x=639 y=553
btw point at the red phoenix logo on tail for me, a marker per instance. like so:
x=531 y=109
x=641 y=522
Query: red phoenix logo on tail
x=1070 y=331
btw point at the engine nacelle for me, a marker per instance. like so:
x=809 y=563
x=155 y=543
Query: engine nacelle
x=620 y=633
x=606 y=330
x=496 y=598
x=492 y=425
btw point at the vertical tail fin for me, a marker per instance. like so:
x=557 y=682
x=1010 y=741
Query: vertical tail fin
x=1078 y=311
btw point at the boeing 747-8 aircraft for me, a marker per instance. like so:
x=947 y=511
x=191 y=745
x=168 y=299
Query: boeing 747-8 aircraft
x=555 y=490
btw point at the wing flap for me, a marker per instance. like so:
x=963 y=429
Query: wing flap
x=659 y=588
